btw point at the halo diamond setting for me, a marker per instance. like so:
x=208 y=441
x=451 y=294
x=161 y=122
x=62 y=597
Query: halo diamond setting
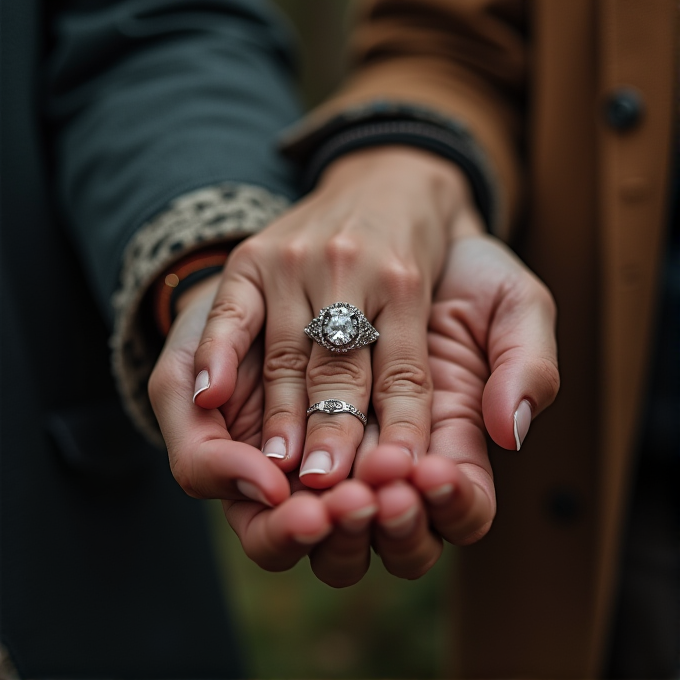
x=341 y=327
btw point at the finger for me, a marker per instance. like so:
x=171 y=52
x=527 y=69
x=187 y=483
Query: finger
x=285 y=381
x=332 y=439
x=402 y=539
x=203 y=458
x=402 y=384
x=233 y=323
x=461 y=503
x=344 y=557
x=277 y=539
x=384 y=464
x=460 y=510
x=243 y=412
x=523 y=359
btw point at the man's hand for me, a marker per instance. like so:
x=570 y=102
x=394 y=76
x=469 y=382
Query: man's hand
x=493 y=359
x=215 y=454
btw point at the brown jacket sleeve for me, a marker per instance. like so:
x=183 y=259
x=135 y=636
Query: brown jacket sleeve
x=465 y=61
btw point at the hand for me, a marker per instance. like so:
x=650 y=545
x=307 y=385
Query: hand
x=494 y=362
x=215 y=454
x=373 y=235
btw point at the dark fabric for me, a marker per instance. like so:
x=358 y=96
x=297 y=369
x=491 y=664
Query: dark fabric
x=646 y=630
x=381 y=123
x=106 y=567
x=150 y=99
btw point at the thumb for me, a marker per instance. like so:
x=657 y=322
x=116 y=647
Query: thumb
x=522 y=353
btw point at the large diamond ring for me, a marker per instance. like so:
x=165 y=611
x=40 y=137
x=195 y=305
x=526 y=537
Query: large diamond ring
x=337 y=406
x=341 y=327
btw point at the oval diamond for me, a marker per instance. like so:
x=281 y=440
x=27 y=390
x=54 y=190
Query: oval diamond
x=339 y=326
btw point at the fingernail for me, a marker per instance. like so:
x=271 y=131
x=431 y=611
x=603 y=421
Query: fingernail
x=401 y=525
x=251 y=491
x=440 y=494
x=408 y=452
x=202 y=384
x=521 y=420
x=357 y=521
x=317 y=463
x=275 y=448
x=311 y=539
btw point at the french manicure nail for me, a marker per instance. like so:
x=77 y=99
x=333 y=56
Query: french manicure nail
x=521 y=421
x=355 y=522
x=311 y=539
x=202 y=384
x=440 y=494
x=275 y=448
x=401 y=525
x=252 y=492
x=317 y=463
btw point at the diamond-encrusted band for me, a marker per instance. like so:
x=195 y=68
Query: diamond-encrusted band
x=333 y=406
x=341 y=327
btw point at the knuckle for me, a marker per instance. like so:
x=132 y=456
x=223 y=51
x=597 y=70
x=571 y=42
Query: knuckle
x=295 y=252
x=343 y=249
x=284 y=362
x=402 y=278
x=334 y=371
x=330 y=425
x=249 y=250
x=407 y=378
x=226 y=308
x=205 y=346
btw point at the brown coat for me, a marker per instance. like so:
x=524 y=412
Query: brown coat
x=532 y=80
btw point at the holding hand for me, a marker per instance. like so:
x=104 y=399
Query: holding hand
x=493 y=358
x=372 y=234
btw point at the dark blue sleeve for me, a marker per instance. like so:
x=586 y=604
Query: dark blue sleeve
x=150 y=99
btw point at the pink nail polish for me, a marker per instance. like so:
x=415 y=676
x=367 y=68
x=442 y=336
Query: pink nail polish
x=440 y=494
x=312 y=539
x=359 y=520
x=275 y=448
x=521 y=422
x=249 y=490
x=317 y=463
x=202 y=384
x=401 y=525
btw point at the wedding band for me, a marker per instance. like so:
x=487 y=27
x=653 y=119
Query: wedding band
x=332 y=406
x=341 y=327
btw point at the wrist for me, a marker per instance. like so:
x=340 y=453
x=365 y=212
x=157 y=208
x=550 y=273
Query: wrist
x=406 y=171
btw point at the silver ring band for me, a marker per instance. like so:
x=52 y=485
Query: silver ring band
x=332 y=406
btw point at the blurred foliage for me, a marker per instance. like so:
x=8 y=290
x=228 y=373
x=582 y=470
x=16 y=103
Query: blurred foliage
x=294 y=626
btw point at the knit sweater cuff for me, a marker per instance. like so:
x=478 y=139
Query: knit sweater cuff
x=213 y=215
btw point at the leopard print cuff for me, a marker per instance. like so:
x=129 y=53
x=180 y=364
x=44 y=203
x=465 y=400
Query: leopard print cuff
x=216 y=214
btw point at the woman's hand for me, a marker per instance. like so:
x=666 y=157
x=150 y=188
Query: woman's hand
x=372 y=234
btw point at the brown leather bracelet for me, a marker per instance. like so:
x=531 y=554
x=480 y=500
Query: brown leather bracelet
x=167 y=284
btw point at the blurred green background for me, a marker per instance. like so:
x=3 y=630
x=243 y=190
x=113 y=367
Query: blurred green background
x=292 y=625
